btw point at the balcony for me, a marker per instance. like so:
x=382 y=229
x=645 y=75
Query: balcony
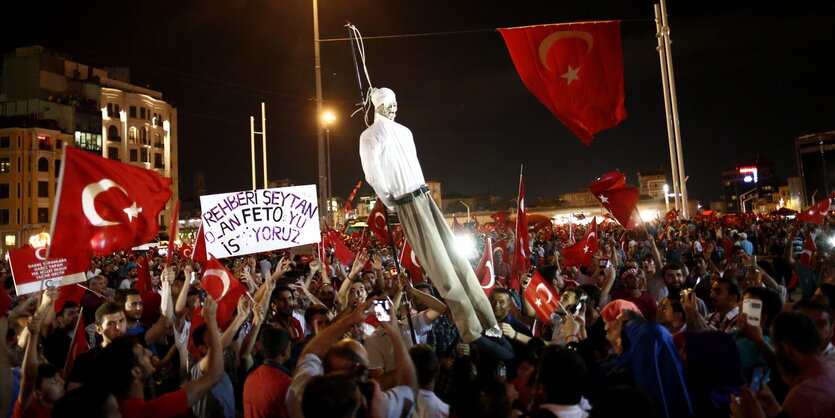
x=114 y=138
x=159 y=145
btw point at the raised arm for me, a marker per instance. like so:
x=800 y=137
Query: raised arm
x=29 y=372
x=198 y=388
x=327 y=337
x=405 y=374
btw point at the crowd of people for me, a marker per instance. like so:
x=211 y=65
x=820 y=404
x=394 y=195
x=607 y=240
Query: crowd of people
x=654 y=326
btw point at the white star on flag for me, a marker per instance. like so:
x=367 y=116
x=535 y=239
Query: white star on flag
x=132 y=212
x=811 y=212
x=586 y=249
x=571 y=75
x=538 y=302
x=603 y=199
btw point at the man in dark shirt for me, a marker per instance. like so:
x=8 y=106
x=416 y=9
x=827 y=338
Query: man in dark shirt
x=56 y=345
x=110 y=324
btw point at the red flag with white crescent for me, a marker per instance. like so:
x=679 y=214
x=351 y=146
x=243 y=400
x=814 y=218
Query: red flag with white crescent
x=618 y=198
x=580 y=253
x=348 y=207
x=542 y=297
x=818 y=212
x=224 y=287
x=78 y=344
x=485 y=271
x=575 y=70
x=377 y=223
x=809 y=248
x=409 y=261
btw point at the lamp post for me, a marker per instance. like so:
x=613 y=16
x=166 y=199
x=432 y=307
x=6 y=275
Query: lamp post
x=468 y=209
x=327 y=119
x=667 y=197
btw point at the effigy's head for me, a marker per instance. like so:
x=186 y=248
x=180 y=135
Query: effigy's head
x=384 y=101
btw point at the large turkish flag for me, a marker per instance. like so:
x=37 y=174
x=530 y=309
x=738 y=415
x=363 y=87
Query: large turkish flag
x=542 y=297
x=580 y=253
x=575 y=70
x=618 y=198
x=105 y=205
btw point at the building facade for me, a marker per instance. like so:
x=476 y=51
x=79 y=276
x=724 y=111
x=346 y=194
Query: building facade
x=51 y=98
x=651 y=183
x=816 y=165
x=748 y=183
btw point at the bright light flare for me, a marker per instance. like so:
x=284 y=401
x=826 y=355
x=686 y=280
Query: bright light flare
x=465 y=245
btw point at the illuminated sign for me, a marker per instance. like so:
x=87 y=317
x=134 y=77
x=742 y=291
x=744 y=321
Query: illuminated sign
x=41 y=137
x=748 y=174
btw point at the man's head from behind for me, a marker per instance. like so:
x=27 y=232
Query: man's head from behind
x=562 y=375
x=345 y=355
x=332 y=395
x=426 y=364
x=275 y=344
x=795 y=338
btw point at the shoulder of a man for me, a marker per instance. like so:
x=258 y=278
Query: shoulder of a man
x=400 y=401
x=309 y=366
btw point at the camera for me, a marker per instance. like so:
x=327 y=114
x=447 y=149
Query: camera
x=381 y=309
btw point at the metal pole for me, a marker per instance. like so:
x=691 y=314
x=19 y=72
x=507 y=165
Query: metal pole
x=666 y=88
x=330 y=185
x=397 y=266
x=264 y=141
x=468 y=209
x=317 y=66
x=674 y=107
x=252 y=146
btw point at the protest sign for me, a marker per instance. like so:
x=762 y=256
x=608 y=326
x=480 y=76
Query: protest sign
x=254 y=221
x=30 y=269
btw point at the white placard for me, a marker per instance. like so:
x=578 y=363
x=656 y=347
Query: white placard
x=254 y=221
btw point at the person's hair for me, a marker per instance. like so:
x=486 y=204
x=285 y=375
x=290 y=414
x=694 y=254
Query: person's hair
x=122 y=295
x=616 y=400
x=675 y=303
x=563 y=375
x=332 y=395
x=278 y=291
x=772 y=304
x=426 y=363
x=796 y=330
x=314 y=310
x=548 y=272
x=499 y=290
x=343 y=351
x=734 y=249
x=91 y=399
x=293 y=275
x=828 y=290
x=733 y=286
x=198 y=336
x=578 y=292
x=108 y=308
x=97 y=277
x=669 y=266
x=274 y=342
x=45 y=371
x=67 y=305
x=814 y=304
x=593 y=292
x=114 y=363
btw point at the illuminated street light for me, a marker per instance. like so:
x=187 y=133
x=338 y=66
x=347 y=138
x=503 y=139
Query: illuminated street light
x=328 y=118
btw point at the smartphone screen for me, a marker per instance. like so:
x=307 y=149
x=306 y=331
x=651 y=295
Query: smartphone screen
x=757 y=378
x=202 y=297
x=381 y=309
x=753 y=309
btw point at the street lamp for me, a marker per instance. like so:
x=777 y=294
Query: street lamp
x=667 y=197
x=327 y=119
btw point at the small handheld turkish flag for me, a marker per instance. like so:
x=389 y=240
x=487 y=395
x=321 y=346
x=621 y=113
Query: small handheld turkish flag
x=542 y=297
x=104 y=206
x=485 y=270
x=224 y=288
x=410 y=262
x=199 y=253
x=377 y=223
x=817 y=212
x=809 y=248
x=580 y=253
x=618 y=198
x=340 y=250
x=522 y=261
x=456 y=227
x=575 y=70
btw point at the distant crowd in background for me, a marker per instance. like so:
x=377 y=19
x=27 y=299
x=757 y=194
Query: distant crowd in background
x=673 y=319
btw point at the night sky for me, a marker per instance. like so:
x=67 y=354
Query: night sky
x=750 y=76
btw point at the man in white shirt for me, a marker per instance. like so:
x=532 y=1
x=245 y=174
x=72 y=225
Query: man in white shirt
x=389 y=160
x=562 y=374
x=427 y=365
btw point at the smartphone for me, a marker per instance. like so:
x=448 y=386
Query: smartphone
x=757 y=378
x=202 y=297
x=753 y=309
x=604 y=263
x=381 y=309
x=246 y=269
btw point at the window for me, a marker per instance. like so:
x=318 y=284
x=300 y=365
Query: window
x=110 y=110
x=113 y=153
x=113 y=133
x=18 y=164
x=141 y=113
x=144 y=154
x=59 y=144
x=132 y=111
x=43 y=189
x=134 y=156
x=43 y=165
x=132 y=135
x=5 y=165
x=4 y=216
x=5 y=142
x=18 y=192
x=57 y=168
x=158 y=141
x=4 y=190
x=143 y=136
x=158 y=161
x=88 y=141
x=116 y=110
x=43 y=215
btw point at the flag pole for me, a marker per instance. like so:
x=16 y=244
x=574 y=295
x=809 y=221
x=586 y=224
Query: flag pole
x=665 y=34
x=666 y=89
x=396 y=259
x=252 y=148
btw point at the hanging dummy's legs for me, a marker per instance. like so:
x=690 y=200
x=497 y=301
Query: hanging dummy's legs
x=433 y=243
